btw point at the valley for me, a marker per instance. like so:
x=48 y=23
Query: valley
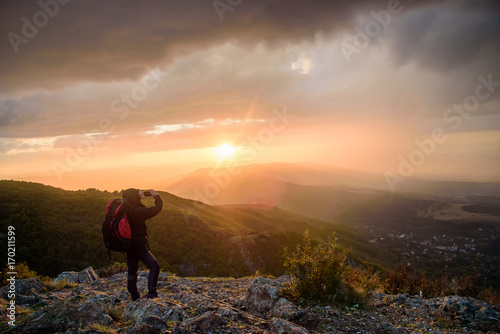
x=454 y=227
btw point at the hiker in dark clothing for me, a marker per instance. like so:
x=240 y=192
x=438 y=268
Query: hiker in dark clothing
x=137 y=214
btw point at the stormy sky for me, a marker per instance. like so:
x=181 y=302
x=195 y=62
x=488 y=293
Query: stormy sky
x=89 y=87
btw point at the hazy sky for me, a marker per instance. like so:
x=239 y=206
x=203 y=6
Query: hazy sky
x=93 y=93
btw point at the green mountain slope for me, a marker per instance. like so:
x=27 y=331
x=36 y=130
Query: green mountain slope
x=59 y=230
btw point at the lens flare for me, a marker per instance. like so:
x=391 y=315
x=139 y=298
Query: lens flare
x=226 y=150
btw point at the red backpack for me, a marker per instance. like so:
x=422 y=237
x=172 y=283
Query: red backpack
x=116 y=230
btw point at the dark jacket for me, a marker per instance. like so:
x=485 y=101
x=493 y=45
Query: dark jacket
x=137 y=215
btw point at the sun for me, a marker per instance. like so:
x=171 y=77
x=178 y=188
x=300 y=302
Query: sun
x=226 y=150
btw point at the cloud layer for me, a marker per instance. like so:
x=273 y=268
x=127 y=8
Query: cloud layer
x=129 y=70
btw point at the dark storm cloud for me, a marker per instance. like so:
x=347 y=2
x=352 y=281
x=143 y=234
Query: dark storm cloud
x=449 y=35
x=113 y=41
x=102 y=41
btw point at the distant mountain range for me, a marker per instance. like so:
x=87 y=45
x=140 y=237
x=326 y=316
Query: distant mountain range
x=270 y=184
x=432 y=224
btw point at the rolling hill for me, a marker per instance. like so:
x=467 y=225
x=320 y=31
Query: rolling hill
x=60 y=230
x=269 y=184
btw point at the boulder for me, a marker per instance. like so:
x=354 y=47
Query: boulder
x=281 y=326
x=397 y=300
x=156 y=322
x=470 y=310
x=141 y=309
x=145 y=329
x=459 y=307
x=261 y=296
x=205 y=323
x=23 y=287
x=61 y=315
x=285 y=309
x=87 y=275
x=28 y=286
x=26 y=291
x=68 y=276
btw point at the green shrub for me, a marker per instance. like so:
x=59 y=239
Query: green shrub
x=22 y=272
x=320 y=274
x=110 y=270
x=115 y=312
x=403 y=279
x=59 y=285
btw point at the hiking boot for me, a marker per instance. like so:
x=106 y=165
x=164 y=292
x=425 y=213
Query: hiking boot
x=152 y=295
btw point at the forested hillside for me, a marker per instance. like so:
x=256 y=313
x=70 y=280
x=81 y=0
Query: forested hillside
x=58 y=230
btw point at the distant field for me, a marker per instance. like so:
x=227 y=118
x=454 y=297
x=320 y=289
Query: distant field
x=463 y=212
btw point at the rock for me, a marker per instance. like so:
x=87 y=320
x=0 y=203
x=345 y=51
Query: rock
x=25 y=288
x=28 y=300
x=284 y=309
x=68 y=276
x=145 y=329
x=87 y=275
x=141 y=309
x=395 y=331
x=61 y=315
x=459 y=307
x=156 y=322
x=30 y=285
x=414 y=302
x=261 y=296
x=26 y=291
x=205 y=323
x=194 y=301
x=227 y=305
x=307 y=319
x=396 y=299
x=281 y=326
x=422 y=326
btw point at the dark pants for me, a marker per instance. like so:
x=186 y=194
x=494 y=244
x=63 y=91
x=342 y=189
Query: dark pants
x=149 y=261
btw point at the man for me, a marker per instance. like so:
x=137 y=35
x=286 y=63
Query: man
x=137 y=215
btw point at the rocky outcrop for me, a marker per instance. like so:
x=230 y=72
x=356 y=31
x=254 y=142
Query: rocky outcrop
x=87 y=275
x=226 y=305
x=164 y=309
x=261 y=296
x=61 y=316
x=281 y=326
x=26 y=291
x=206 y=323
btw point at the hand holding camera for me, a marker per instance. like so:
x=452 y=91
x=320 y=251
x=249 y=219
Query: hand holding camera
x=148 y=193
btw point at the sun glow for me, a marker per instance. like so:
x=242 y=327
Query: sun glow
x=226 y=151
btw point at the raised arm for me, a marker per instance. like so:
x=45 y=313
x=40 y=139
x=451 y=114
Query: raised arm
x=147 y=213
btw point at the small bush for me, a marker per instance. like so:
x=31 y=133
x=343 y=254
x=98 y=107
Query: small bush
x=22 y=272
x=403 y=279
x=59 y=285
x=320 y=274
x=364 y=281
x=115 y=312
x=490 y=296
x=115 y=268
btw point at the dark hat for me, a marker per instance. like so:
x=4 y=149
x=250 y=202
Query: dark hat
x=132 y=196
